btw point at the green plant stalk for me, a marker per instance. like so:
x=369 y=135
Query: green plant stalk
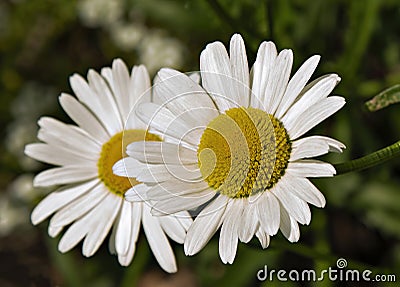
x=369 y=160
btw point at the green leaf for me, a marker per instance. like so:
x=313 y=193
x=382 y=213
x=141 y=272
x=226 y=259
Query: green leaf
x=387 y=97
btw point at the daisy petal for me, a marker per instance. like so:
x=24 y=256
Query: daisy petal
x=314 y=115
x=314 y=146
x=174 y=204
x=88 y=97
x=262 y=237
x=124 y=228
x=302 y=188
x=179 y=94
x=68 y=137
x=296 y=84
x=268 y=212
x=84 y=118
x=79 y=206
x=311 y=168
x=319 y=91
x=174 y=230
x=137 y=193
x=289 y=227
x=127 y=167
x=240 y=70
x=205 y=225
x=249 y=223
x=160 y=173
x=161 y=152
x=158 y=241
x=178 y=127
x=295 y=206
x=98 y=84
x=173 y=188
x=103 y=217
x=216 y=76
x=65 y=175
x=278 y=80
x=228 y=239
x=140 y=92
x=121 y=87
x=262 y=71
x=55 y=155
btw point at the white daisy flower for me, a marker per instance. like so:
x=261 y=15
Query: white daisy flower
x=233 y=145
x=91 y=198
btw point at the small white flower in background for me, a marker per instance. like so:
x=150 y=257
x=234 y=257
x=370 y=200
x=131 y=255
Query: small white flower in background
x=234 y=145
x=12 y=215
x=158 y=50
x=97 y=13
x=90 y=200
x=127 y=36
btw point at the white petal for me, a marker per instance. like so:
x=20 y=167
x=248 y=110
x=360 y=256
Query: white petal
x=58 y=199
x=140 y=92
x=103 y=218
x=262 y=71
x=124 y=228
x=174 y=204
x=268 y=212
x=137 y=193
x=296 y=84
x=205 y=225
x=87 y=96
x=296 y=207
x=171 y=226
x=54 y=155
x=289 y=227
x=160 y=173
x=314 y=115
x=54 y=231
x=121 y=87
x=184 y=219
x=320 y=90
x=127 y=167
x=263 y=237
x=216 y=76
x=174 y=188
x=65 y=175
x=158 y=241
x=303 y=189
x=249 y=223
x=68 y=137
x=178 y=127
x=110 y=113
x=126 y=258
x=311 y=168
x=228 y=239
x=179 y=94
x=314 y=146
x=161 y=152
x=79 y=206
x=84 y=118
x=240 y=70
x=278 y=80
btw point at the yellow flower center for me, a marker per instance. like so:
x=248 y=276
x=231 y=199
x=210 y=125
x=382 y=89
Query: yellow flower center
x=243 y=152
x=112 y=151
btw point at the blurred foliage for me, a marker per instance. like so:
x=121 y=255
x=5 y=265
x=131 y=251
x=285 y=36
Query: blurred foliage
x=43 y=42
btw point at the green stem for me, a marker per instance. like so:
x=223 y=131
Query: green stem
x=370 y=160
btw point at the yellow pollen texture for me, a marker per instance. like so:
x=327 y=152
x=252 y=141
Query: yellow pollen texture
x=243 y=152
x=114 y=150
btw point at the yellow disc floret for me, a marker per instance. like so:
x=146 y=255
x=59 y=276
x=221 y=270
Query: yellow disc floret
x=112 y=151
x=243 y=151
